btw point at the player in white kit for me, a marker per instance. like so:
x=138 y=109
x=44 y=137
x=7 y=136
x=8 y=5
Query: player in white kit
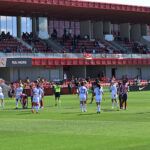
x=113 y=90
x=36 y=99
x=18 y=93
x=98 y=91
x=41 y=95
x=83 y=93
x=1 y=97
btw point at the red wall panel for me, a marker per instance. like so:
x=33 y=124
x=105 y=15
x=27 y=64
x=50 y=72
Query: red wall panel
x=75 y=62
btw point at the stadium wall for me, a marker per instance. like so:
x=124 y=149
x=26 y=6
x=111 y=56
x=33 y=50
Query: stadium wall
x=131 y=71
x=16 y=73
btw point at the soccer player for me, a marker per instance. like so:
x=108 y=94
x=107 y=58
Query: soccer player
x=41 y=95
x=36 y=98
x=98 y=96
x=18 y=92
x=11 y=92
x=124 y=88
x=57 y=89
x=83 y=93
x=92 y=90
x=2 y=97
x=113 y=90
x=24 y=100
x=119 y=91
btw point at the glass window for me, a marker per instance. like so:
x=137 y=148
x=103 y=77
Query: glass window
x=29 y=25
x=14 y=26
x=74 y=27
x=9 y=25
x=3 y=24
x=26 y=24
x=23 y=24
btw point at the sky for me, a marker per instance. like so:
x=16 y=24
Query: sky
x=126 y=2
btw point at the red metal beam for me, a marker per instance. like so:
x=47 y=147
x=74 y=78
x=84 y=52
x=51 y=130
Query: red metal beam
x=83 y=4
x=75 y=10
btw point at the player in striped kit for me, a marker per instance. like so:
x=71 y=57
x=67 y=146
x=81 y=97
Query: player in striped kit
x=124 y=91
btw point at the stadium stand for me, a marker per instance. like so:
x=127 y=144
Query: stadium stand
x=8 y=44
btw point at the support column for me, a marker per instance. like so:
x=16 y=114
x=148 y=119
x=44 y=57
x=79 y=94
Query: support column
x=135 y=32
x=125 y=31
x=98 y=30
x=85 y=28
x=19 y=26
x=43 y=28
x=107 y=27
x=34 y=26
x=144 y=29
x=85 y=71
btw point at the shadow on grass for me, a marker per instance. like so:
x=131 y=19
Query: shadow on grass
x=86 y=114
x=69 y=108
x=141 y=113
x=24 y=113
x=69 y=113
x=109 y=110
x=12 y=109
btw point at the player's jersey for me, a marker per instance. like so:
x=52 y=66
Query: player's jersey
x=36 y=92
x=113 y=89
x=18 y=92
x=1 y=90
x=1 y=93
x=98 y=93
x=124 y=88
x=41 y=92
x=36 y=95
x=83 y=92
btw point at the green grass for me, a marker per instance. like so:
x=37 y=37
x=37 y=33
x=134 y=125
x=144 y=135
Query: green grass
x=66 y=128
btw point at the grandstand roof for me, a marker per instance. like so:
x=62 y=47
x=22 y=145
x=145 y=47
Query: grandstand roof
x=76 y=10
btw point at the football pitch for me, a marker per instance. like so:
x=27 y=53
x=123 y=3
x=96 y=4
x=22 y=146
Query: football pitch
x=66 y=128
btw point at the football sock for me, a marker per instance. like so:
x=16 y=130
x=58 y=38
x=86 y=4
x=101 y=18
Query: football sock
x=16 y=104
x=81 y=107
x=37 y=108
x=3 y=104
x=98 y=108
x=84 y=107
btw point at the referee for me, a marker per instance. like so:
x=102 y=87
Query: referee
x=57 y=89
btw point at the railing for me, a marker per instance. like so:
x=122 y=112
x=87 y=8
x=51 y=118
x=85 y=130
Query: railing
x=70 y=55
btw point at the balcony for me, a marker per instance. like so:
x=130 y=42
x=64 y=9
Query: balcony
x=71 y=55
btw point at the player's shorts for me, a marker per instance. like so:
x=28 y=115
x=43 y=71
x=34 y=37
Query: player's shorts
x=120 y=97
x=36 y=99
x=18 y=97
x=124 y=97
x=57 y=94
x=113 y=96
x=98 y=99
x=1 y=96
x=40 y=97
x=82 y=98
